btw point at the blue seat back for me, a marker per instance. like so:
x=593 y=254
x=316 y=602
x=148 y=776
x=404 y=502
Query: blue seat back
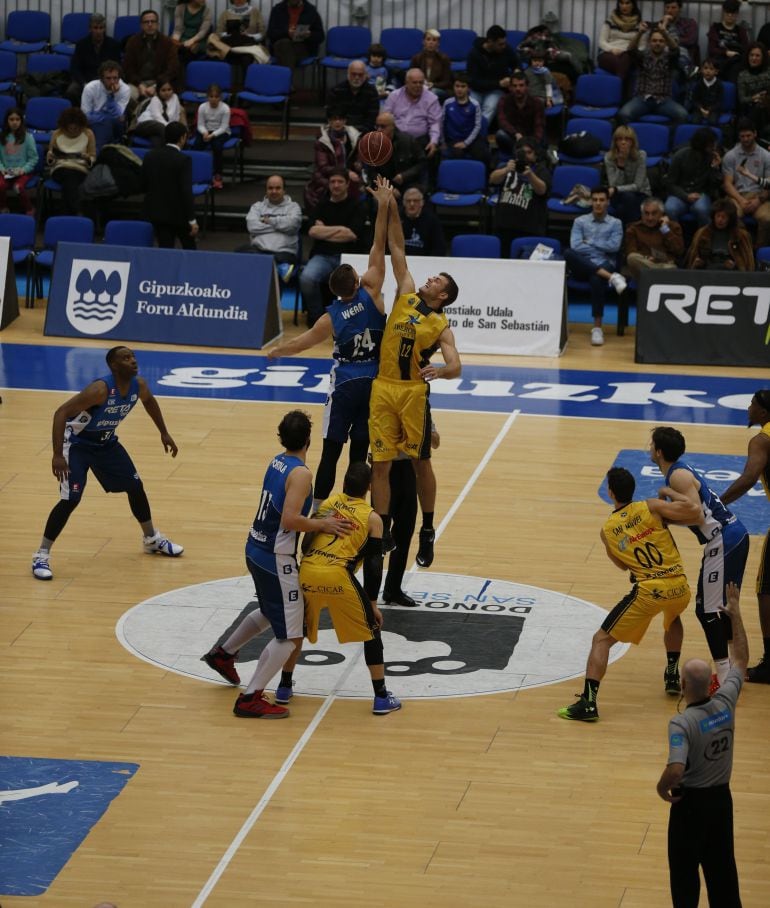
x=729 y=97
x=476 y=246
x=67 y=228
x=28 y=26
x=456 y=43
x=401 y=43
x=129 y=233
x=200 y=74
x=266 y=79
x=565 y=176
x=515 y=36
x=75 y=26
x=8 y=66
x=602 y=129
x=349 y=41
x=685 y=131
x=43 y=113
x=522 y=246
x=48 y=63
x=462 y=176
x=654 y=138
x=6 y=103
x=20 y=228
x=202 y=166
x=125 y=26
x=598 y=91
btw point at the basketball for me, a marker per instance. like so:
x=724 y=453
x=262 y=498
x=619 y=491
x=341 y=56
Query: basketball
x=375 y=149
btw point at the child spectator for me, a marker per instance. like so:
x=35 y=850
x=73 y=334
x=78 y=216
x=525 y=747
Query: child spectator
x=154 y=114
x=541 y=82
x=376 y=70
x=462 y=132
x=213 y=129
x=18 y=160
x=705 y=98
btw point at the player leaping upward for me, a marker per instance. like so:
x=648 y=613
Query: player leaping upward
x=399 y=409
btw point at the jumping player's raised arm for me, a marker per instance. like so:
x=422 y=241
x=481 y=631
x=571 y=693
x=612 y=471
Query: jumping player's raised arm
x=404 y=280
x=374 y=277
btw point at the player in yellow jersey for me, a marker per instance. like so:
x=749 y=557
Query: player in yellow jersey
x=637 y=540
x=758 y=467
x=327 y=576
x=399 y=408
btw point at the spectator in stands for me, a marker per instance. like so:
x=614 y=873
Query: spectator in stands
x=595 y=241
x=213 y=130
x=728 y=41
x=274 y=225
x=653 y=242
x=463 y=134
x=706 y=95
x=694 y=178
x=239 y=34
x=150 y=57
x=723 y=244
x=625 y=166
x=417 y=111
x=436 y=66
x=519 y=115
x=490 y=63
x=522 y=204
x=89 y=54
x=192 y=24
x=335 y=148
x=684 y=31
x=294 y=31
x=71 y=154
x=356 y=98
x=615 y=37
x=745 y=191
x=655 y=78
x=764 y=35
x=540 y=79
x=754 y=87
x=154 y=114
x=566 y=56
x=423 y=233
x=18 y=160
x=337 y=226
x=407 y=163
x=104 y=103
x=168 y=201
x=377 y=73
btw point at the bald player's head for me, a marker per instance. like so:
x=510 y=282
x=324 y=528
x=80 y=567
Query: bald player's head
x=696 y=679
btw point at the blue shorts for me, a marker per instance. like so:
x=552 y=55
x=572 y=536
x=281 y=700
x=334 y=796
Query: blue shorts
x=109 y=463
x=346 y=414
x=276 y=580
x=720 y=565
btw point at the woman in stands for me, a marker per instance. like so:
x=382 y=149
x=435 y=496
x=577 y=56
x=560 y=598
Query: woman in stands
x=625 y=166
x=722 y=245
x=18 y=159
x=154 y=114
x=616 y=35
x=754 y=87
x=192 y=24
x=71 y=154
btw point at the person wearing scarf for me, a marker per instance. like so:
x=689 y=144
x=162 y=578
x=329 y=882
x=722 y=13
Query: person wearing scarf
x=754 y=86
x=616 y=35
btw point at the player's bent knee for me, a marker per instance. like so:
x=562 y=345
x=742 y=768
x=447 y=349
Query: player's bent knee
x=374 y=654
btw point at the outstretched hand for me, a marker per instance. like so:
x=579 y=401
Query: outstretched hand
x=382 y=190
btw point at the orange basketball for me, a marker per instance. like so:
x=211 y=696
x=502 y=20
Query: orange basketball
x=375 y=148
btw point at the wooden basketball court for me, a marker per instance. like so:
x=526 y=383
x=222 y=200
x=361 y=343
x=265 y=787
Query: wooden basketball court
x=458 y=802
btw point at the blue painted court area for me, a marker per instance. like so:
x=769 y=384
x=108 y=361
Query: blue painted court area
x=47 y=808
x=716 y=400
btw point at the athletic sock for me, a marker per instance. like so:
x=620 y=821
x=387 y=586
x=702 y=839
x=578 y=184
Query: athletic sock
x=254 y=623
x=286 y=679
x=386 y=518
x=766 y=641
x=270 y=662
x=723 y=667
x=673 y=661
x=379 y=687
x=427 y=520
x=590 y=690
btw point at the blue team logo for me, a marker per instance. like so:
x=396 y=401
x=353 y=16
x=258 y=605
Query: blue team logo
x=96 y=297
x=414 y=319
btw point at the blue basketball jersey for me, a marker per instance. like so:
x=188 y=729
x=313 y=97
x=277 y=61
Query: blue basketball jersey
x=357 y=326
x=97 y=425
x=717 y=518
x=266 y=534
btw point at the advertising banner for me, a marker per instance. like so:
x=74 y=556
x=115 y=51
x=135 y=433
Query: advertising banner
x=9 y=299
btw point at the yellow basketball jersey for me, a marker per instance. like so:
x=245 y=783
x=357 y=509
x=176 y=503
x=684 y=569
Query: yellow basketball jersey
x=410 y=339
x=765 y=477
x=346 y=551
x=638 y=538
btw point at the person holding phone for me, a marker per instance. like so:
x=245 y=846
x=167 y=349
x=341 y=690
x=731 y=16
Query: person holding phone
x=749 y=197
x=294 y=31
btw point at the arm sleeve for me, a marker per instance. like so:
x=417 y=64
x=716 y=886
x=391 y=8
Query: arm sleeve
x=372 y=567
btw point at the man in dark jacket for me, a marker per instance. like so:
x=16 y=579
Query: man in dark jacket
x=423 y=233
x=294 y=31
x=490 y=63
x=356 y=97
x=150 y=58
x=406 y=166
x=168 y=200
x=694 y=178
x=90 y=52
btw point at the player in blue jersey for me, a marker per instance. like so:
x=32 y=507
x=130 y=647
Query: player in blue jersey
x=84 y=439
x=724 y=539
x=355 y=321
x=271 y=557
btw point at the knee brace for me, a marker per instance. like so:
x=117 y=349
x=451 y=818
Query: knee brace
x=373 y=651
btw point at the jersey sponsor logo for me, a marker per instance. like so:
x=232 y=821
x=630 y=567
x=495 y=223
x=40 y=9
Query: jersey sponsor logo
x=96 y=297
x=466 y=636
x=676 y=740
x=354 y=310
x=716 y=721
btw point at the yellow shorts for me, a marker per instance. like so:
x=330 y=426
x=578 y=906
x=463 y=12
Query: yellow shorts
x=629 y=620
x=333 y=587
x=399 y=419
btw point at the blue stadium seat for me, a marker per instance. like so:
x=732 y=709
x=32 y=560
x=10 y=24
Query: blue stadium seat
x=597 y=96
x=401 y=44
x=602 y=129
x=475 y=246
x=456 y=43
x=27 y=32
x=74 y=26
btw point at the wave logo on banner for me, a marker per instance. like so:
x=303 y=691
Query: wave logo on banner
x=96 y=298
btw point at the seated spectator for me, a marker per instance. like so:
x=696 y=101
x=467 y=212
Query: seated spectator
x=564 y=55
x=684 y=32
x=436 y=66
x=154 y=114
x=728 y=41
x=18 y=160
x=595 y=241
x=377 y=73
x=89 y=54
x=625 y=166
x=522 y=204
x=192 y=24
x=754 y=87
x=423 y=233
x=104 y=103
x=406 y=166
x=294 y=31
x=417 y=111
x=491 y=61
x=750 y=199
x=723 y=244
x=519 y=115
x=694 y=178
x=615 y=37
x=337 y=226
x=462 y=135
x=356 y=98
x=654 y=79
x=274 y=225
x=213 y=130
x=239 y=34
x=705 y=96
x=653 y=242
x=150 y=57
x=335 y=148
x=71 y=154
x=540 y=79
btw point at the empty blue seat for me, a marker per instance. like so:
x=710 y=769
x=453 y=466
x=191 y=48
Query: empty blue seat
x=475 y=246
x=27 y=32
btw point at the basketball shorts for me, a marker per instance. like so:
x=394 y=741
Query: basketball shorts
x=334 y=588
x=276 y=580
x=718 y=568
x=629 y=620
x=110 y=464
x=399 y=420
x=763 y=572
x=346 y=414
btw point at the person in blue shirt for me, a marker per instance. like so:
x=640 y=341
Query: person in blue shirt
x=462 y=135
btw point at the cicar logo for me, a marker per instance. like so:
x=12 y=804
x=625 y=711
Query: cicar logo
x=96 y=297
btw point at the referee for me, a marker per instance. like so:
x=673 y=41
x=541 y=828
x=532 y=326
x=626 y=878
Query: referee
x=696 y=781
